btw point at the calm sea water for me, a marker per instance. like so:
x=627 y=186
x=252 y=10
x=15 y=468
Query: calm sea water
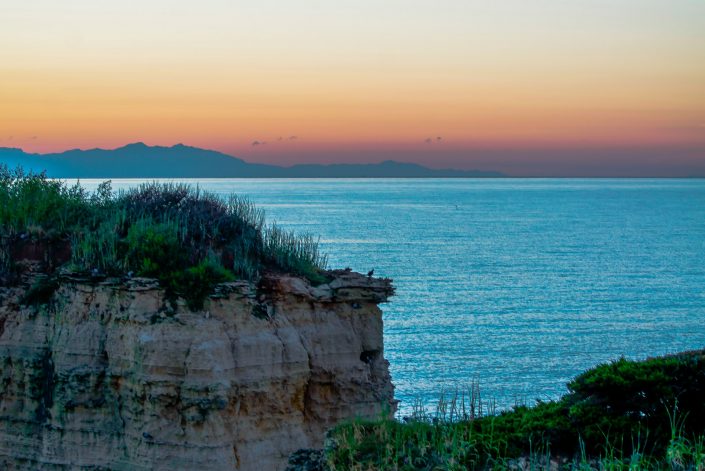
x=520 y=284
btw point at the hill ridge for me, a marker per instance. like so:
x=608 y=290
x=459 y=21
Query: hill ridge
x=139 y=160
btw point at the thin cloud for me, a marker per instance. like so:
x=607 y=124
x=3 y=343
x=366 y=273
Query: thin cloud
x=258 y=143
x=293 y=138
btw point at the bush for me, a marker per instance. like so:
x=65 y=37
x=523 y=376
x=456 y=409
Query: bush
x=198 y=281
x=153 y=249
x=41 y=291
x=625 y=396
x=41 y=207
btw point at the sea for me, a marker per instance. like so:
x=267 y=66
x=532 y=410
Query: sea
x=517 y=285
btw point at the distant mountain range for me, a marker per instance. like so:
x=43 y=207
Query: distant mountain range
x=142 y=161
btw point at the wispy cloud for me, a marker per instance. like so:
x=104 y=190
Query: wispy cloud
x=258 y=142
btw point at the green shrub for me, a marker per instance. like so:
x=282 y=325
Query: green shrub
x=197 y=282
x=39 y=206
x=154 y=248
x=621 y=397
x=41 y=291
x=32 y=207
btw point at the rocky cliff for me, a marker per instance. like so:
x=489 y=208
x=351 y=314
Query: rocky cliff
x=110 y=375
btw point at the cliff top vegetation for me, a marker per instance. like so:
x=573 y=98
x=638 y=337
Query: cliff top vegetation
x=187 y=238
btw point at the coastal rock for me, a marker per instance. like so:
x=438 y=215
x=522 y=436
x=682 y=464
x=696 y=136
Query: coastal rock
x=110 y=375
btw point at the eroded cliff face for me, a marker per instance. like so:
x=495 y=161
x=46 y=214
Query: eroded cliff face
x=109 y=376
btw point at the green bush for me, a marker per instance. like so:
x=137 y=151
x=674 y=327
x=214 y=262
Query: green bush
x=154 y=248
x=198 y=281
x=41 y=207
x=619 y=398
x=41 y=291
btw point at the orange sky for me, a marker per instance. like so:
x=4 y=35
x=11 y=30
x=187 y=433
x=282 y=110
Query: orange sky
x=355 y=80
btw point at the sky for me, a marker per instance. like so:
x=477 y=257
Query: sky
x=540 y=87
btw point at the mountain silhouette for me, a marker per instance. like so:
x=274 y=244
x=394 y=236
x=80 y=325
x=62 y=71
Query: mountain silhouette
x=139 y=160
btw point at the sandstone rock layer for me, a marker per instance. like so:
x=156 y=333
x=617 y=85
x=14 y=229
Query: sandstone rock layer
x=110 y=375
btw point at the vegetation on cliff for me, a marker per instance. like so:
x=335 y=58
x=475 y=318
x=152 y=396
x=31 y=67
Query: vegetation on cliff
x=623 y=415
x=187 y=238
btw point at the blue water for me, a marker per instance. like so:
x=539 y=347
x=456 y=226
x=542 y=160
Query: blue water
x=520 y=284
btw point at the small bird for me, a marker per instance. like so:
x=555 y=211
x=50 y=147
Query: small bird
x=370 y=273
x=147 y=436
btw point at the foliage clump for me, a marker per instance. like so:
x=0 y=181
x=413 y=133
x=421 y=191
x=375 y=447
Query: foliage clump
x=187 y=238
x=623 y=415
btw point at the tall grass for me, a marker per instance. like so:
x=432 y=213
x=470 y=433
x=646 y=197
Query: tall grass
x=161 y=230
x=429 y=443
x=294 y=252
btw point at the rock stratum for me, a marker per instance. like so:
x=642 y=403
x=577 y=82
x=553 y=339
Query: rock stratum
x=110 y=375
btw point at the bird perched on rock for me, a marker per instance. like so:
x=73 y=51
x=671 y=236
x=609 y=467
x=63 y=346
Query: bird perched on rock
x=370 y=273
x=147 y=436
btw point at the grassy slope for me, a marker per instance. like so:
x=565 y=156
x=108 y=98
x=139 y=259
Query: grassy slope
x=622 y=415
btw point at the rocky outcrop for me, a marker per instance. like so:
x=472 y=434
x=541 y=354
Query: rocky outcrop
x=110 y=375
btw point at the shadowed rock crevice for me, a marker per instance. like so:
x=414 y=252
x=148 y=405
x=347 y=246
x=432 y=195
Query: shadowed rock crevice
x=370 y=356
x=44 y=385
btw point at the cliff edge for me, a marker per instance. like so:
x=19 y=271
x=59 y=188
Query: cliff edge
x=111 y=375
